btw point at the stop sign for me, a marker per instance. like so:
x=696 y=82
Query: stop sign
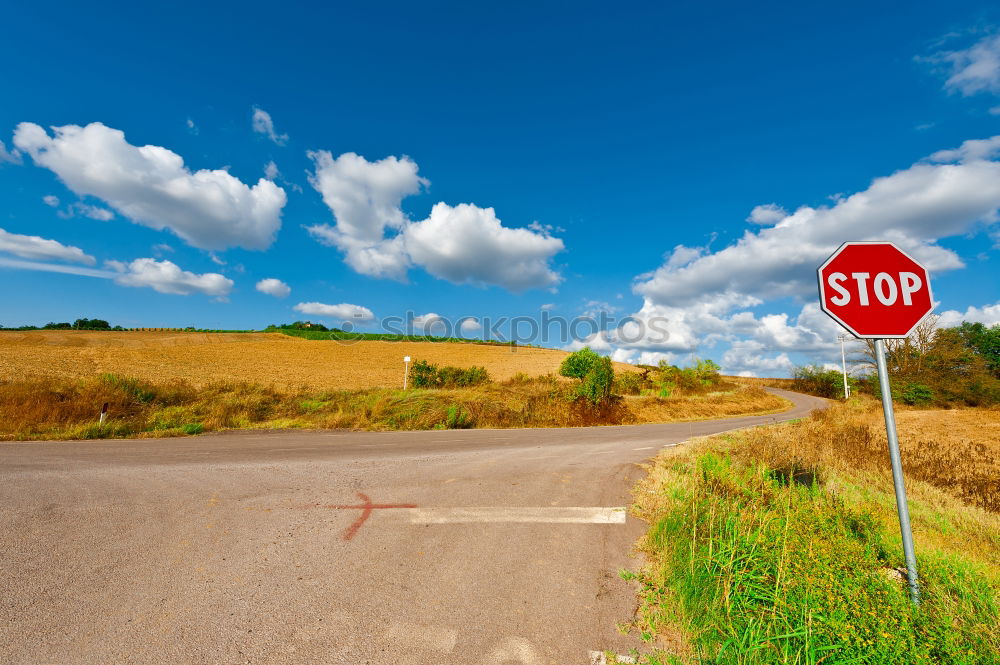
x=874 y=289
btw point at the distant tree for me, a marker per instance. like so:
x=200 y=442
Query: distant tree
x=57 y=326
x=91 y=324
x=300 y=325
x=943 y=366
x=985 y=340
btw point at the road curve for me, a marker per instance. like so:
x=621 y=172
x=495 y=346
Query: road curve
x=326 y=547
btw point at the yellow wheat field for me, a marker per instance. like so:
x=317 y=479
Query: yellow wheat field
x=265 y=358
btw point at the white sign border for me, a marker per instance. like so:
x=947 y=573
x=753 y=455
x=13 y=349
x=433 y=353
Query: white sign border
x=822 y=290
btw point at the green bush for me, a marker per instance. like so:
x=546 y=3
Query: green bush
x=916 y=394
x=596 y=374
x=577 y=364
x=629 y=383
x=815 y=380
x=597 y=384
x=425 y=375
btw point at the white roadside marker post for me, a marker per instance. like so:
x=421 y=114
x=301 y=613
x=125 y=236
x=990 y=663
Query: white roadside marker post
x=877 y=291
x=843 y=365
x=406 y=370
x=104 y=412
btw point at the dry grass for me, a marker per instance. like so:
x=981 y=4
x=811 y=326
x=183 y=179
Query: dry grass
x=957 y=451
x=786 y=384
x=750 y=400
x=51 y=408
x=259 y=358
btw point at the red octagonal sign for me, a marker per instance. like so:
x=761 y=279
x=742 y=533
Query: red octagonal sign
x=874 y=289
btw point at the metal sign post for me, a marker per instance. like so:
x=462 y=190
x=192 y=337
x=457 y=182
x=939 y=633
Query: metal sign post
x=877 y=291
x=902 y=509
x=406 y=371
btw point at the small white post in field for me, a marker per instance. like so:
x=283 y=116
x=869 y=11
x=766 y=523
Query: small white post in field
x=104 y=413
x=843 y=364
x=406 y=370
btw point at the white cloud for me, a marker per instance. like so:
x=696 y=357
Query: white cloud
x=163 y=247
x=35 y=247
x=210 y=209
x=470 y=324
x=913 y=207
x=598 y=341
x=464 y=244
x=167 y=277
x=970 y=151
x=468 y=244
x=274 y=287
x=633 y=357
x=271 y=171
x=594 y=308
x=699 y=300
x=987 y=314
x=19 y=264
x=343 y=311
x=51 y=200
x=975 y=69
x=769 y=213
x=12 y=157
x=262 y=124
x=93 y=212
x=365 y=199
x=431 y=323
x=748 y=356
x=547 y=307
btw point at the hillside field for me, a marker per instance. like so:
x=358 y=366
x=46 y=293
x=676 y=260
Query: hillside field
x=260 y=358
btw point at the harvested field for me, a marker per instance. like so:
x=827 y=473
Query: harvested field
x=260 y=358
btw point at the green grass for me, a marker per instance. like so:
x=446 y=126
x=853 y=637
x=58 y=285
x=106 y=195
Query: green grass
x=753 y=571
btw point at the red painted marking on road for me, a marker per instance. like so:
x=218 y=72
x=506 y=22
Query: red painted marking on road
x=366 y=510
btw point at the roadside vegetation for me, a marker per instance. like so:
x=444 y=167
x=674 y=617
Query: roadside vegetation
x=781 y=544
x=442 y=397
x=934 y=367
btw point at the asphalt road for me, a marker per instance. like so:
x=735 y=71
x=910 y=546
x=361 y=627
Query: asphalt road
x=326 y=547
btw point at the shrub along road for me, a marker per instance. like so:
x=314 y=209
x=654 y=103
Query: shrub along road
x=484 y=546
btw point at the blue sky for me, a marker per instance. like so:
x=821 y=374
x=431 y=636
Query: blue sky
x=602 y=138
